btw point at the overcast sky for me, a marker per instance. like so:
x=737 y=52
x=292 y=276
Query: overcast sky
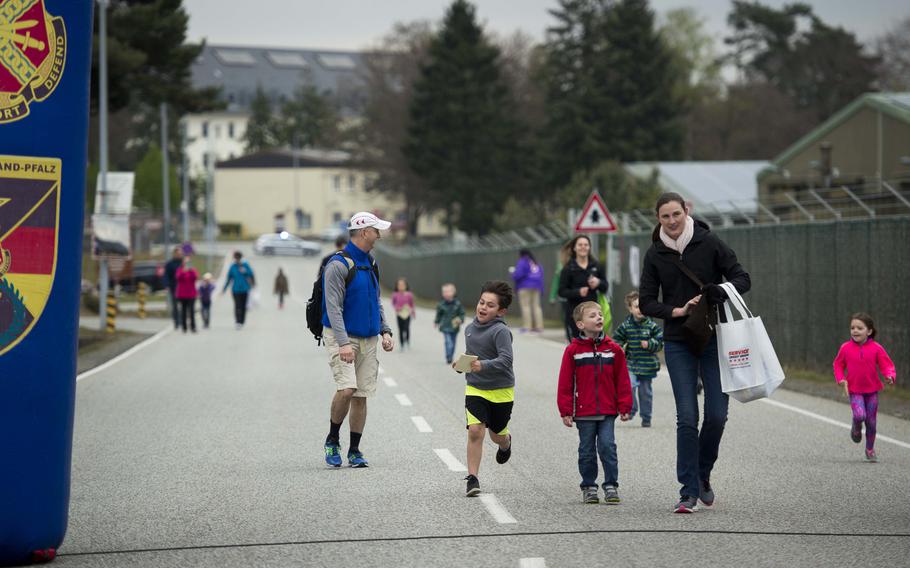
x=358 y=24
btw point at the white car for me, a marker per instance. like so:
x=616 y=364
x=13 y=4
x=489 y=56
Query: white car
x=285 y=243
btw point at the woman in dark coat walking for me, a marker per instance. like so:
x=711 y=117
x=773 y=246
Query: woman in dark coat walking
x=580 y=280
x=681 y=239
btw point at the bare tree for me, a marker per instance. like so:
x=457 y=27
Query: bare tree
x=894 y=50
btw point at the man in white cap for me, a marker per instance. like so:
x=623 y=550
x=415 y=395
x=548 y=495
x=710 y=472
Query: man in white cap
x=353 y=320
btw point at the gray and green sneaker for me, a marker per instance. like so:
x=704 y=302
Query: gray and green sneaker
x=589 y=495
x=611 y=495
x=333 y=454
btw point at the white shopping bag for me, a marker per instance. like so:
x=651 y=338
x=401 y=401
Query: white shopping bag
x=253 y=300
x=749 y=368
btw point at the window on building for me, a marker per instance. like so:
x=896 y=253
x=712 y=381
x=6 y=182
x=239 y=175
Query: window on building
x=336 y=61
x=352 y=182
x=205 y=129
x=230 y=130
x=205 y=160
x=294 y=60
x=217 y=131
x=336 y=183
x=336 y=217
x=239 y=57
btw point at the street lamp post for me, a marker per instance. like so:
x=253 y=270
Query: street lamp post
x=102 y=149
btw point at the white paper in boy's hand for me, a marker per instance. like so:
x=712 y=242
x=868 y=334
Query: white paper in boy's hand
x=463 y=364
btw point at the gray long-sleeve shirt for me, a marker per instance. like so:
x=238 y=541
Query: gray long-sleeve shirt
x=492 y=343
x=334 y=289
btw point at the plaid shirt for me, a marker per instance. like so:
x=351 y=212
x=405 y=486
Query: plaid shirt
x=642 y=362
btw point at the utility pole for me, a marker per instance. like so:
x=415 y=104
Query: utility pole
x=209 y=199
x=102 y=150
x=185 y=199
x=165 y=180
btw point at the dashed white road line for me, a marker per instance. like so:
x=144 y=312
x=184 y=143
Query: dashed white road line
x=451 y=461
x=499 y=513
x=422 y=425
x=798 y=410
x=532 y=563
x=390 y=382
x=403 y=400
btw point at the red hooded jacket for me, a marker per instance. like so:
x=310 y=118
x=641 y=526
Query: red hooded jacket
x=593 y=379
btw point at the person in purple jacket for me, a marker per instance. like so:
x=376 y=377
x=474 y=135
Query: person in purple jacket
x=528 y=277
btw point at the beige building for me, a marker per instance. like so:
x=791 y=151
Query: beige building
x=855 y=164
x=306 y=192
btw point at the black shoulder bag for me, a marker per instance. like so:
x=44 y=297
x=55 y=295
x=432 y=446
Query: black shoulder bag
x=699 y=325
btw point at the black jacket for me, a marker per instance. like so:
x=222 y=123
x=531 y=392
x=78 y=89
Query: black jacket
x=573 y=278
x=170 y=273
x=706 y=255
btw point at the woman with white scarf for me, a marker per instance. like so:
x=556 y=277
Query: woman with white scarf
x=679 y=238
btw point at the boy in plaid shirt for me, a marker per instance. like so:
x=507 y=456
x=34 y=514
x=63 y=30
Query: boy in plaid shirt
x=641 y=338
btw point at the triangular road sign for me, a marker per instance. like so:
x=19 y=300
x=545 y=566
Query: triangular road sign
x=595 y=217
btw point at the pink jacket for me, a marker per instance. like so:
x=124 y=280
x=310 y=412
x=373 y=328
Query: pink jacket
x=186 y=283
x=859 y=361
x=402 y=299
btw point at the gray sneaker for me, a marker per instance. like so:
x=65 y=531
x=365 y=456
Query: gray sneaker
x=611 y=495
x=706 y=494
x=589 y=495
x=687 y=504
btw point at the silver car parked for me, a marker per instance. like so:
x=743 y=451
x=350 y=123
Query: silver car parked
x=285 y=243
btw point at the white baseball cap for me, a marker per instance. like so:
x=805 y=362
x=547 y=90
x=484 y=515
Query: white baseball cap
x=366 y=219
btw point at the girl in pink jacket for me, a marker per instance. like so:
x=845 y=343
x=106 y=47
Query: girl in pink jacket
x=856 y=366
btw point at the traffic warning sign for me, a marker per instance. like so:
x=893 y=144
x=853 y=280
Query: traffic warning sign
x=595 y=217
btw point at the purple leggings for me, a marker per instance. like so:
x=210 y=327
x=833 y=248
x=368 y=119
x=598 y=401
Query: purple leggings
x=865 y=409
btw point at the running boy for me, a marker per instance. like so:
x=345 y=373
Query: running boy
x=490 y=391
x=449 y=317
x=594 y=388
x=640 y=338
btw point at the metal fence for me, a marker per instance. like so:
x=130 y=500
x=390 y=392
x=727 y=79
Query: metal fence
x=807 y=278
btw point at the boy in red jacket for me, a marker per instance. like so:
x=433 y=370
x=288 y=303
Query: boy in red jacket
x=593 y=389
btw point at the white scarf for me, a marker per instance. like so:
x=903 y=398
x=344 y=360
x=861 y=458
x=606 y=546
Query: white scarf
x=679 y=245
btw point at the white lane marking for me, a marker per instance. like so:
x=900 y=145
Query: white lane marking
x=389 y=381
x=124 y=355
x=532 y=563
x=403 y=400
x=422 y=425
x=499 y=513
x=830 y=420
x=451 y=461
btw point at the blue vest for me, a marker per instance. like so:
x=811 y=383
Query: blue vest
x=361 y=299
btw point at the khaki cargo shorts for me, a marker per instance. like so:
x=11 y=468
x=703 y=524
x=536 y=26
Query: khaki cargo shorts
x=362 y=373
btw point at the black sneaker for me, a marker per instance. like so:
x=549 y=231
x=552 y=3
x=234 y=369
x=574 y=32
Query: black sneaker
x=473 y=488
x=645 y=423
x=706 y=494
x=856 y=432
x=502 y=456
x=611 y=495
x=686 y=504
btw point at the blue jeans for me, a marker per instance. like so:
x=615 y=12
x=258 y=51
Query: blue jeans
x=595 y=437
x=451 y=338
x=642 y=397
x=696 y=451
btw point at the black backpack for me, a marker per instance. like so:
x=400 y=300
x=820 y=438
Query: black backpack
x=314 y=304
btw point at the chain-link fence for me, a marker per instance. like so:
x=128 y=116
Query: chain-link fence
x=807 y=279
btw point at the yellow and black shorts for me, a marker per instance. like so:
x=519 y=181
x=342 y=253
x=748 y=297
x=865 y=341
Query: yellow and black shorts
x=493 y=408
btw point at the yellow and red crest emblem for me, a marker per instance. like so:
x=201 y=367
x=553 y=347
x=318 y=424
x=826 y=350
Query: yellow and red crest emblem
x=32 y=56
x=29 y=218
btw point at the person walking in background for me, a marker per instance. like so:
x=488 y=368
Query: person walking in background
x=186 y=293
x=449 y=317
x=641 y=338
x=403 y=306
x=281 y=287
x=580 y=280
x=340 y=243
x=241 y=279
x=205 y=298
x=593 y=389
x=170 y=279
x=528 y=276
x=857 y=368
x=682 y=246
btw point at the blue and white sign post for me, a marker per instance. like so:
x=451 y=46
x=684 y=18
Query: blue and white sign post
x=45 y=63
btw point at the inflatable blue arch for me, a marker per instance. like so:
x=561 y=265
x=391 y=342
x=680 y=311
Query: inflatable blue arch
x=45 y=62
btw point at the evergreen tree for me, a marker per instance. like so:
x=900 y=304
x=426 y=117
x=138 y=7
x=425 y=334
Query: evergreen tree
x=147 y=191
x=463 y=133
x=308 y=120
x=642 y=119
x=260 y=129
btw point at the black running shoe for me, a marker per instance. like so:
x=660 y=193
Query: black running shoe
x=706 y=494
x=473 y=488
x=856 y=433
x=502 y=456
x=686 y=504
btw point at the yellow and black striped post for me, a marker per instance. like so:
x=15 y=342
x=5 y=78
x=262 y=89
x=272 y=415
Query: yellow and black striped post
x=111 y=311
x=141 y=299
